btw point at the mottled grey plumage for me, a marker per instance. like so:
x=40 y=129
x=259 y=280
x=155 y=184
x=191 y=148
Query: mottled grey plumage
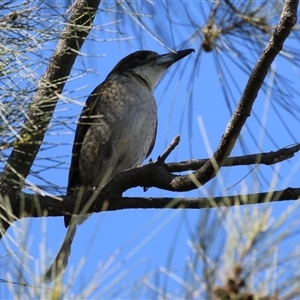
x=116 y=130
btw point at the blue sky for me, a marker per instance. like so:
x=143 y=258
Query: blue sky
x=132 y=243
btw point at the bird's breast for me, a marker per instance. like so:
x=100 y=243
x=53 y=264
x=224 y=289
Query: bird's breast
x=138 y=127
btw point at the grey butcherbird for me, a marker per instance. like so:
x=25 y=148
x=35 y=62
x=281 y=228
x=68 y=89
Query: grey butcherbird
x=116 y=131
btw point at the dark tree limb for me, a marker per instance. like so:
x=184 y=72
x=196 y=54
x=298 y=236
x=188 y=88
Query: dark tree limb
x=38 y=205
x=265 y=158
x=153 y=174
x=18 y=205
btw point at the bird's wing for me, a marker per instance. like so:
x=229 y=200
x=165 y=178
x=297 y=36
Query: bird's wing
x=152 y=142
x=84 y=123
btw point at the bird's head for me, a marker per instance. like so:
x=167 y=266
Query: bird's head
x=148 y=66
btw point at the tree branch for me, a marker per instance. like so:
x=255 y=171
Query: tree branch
x=19 y=205
x=265 y=158
x=38 y=205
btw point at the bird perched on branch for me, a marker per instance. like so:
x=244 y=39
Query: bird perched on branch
x=116 y=131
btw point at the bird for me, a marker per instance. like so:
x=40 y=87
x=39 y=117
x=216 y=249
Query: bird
x=116 y=131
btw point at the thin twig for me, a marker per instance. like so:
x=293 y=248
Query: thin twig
x=161 y=159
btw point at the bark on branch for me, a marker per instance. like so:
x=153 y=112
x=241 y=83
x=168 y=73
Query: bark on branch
x=28 y=205
x=153 y=174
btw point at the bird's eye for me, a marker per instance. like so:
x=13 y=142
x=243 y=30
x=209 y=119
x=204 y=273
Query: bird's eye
x=142 y=56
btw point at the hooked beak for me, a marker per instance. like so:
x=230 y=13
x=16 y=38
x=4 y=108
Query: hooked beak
x=170 y=58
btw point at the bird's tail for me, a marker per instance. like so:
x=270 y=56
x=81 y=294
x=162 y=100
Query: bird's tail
x=61 y=261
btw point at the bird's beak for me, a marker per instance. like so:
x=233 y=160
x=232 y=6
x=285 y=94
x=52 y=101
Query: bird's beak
x=170 y=58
